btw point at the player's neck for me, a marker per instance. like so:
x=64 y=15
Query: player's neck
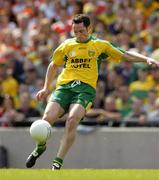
x=85 y=41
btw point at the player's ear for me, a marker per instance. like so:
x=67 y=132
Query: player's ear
x=90 y=29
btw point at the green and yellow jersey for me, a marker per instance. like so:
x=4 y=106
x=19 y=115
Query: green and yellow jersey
x=82 y=60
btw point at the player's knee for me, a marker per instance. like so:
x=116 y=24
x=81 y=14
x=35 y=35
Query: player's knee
x=71 y=123
x=49 y=117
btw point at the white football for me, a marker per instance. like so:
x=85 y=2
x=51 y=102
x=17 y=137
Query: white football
x=40 y=130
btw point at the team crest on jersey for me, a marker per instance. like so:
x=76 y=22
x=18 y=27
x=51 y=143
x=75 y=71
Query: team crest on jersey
x=72 y=54
x=91 y=52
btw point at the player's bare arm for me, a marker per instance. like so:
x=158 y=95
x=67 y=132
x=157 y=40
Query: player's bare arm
x=136 y=57
x=50 y=74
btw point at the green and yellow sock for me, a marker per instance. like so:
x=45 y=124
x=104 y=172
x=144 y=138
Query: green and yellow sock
x=58 y=161
x=40 y=148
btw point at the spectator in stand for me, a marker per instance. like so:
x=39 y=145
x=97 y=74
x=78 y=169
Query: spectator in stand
x=35 y=40
x=9 y=84
x=75 y=7
x=123 y=100
x=63 y=25
x=43 y=62
x=144 y=83
x=147 y=7
x=150 y=104
x=14 y=64
x=45 y=28
x=138 y=116
x=18 y=6
x=128 y=71
x=109 y=15
x=23 y=23
x=8 y=38
x=50 y=9
x=153 y=117
x=55 y=40
x=5 y=22
x=25 y=106
x=10 y=115
x=30 y=79
x=113 y=76
x=107 y=115
x=100 y=30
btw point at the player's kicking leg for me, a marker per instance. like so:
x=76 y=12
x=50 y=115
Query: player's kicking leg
x=52 y=112
x=38 y=151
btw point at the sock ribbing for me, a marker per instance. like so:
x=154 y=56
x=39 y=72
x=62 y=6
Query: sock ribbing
x=58 y=160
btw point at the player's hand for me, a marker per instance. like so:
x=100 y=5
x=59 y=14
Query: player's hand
x=42 y=94
x=151 y=61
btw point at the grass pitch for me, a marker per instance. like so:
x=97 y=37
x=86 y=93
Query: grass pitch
x=80 y=174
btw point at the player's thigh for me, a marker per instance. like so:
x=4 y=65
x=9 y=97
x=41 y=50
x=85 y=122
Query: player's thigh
x=53 y=111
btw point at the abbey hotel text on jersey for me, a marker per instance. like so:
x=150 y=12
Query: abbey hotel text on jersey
x=80 y=63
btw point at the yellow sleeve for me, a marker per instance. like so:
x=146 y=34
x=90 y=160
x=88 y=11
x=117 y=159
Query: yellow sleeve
x=114 y=53
x=58 y=55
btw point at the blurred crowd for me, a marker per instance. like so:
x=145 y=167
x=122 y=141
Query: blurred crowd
x=30 y=30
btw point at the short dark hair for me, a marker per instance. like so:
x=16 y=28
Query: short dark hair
x=82 y=18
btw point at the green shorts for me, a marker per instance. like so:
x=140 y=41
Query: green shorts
x=74 y=92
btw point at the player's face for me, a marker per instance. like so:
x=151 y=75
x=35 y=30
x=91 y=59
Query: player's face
x=81 y=32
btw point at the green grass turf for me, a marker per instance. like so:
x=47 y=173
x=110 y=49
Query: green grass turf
x=74 y=174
